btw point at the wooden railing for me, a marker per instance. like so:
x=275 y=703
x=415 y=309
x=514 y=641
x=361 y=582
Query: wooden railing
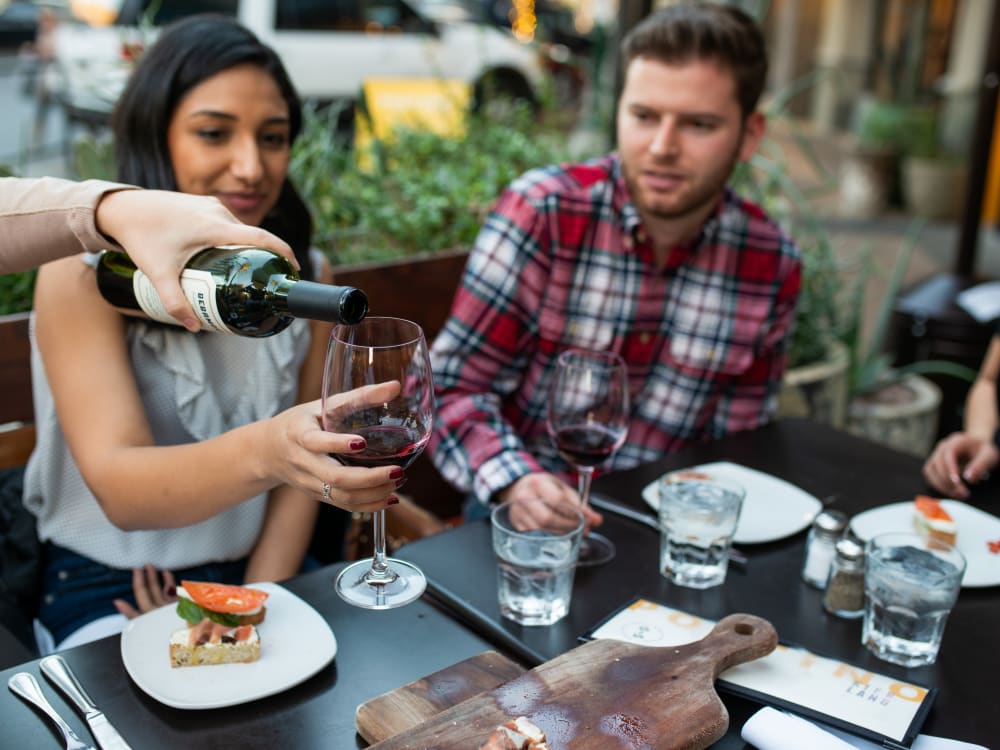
x=17 y=415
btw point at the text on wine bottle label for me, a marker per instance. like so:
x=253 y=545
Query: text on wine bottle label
x=199 y=289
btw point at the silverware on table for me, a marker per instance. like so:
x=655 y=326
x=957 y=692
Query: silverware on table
x=57 y=671
x=24 y=685
x=603 y=502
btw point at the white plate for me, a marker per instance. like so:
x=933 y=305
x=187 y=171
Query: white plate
x=772 y=508
x=975 y=529
x=295 y=643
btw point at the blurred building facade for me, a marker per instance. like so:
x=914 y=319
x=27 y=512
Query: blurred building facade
x=842 y=57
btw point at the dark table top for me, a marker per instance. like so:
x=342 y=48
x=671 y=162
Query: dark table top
x=855 y=473
x=376 y=652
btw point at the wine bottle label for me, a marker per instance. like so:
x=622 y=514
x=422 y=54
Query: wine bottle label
x=199 y=288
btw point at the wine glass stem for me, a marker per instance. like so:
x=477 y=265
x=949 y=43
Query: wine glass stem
x=380 y=571
x=586 y=474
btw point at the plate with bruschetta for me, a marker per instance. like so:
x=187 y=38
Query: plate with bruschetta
x=185 y=660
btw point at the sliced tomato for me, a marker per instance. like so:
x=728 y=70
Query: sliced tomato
x=222 y=597
x=931 y=508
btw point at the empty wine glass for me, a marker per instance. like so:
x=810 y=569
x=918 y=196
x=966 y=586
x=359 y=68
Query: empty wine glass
x=587 y=422
x=380 y=350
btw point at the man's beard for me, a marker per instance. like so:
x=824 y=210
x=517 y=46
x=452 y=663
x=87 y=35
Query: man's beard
x=703 y=194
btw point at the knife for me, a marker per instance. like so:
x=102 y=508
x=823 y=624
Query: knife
x=26 y=686
x=57 y=671
x=613 y=506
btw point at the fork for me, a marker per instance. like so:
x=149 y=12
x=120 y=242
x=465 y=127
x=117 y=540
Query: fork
x=25 y=686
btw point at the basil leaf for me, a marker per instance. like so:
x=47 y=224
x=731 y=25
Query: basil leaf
x=188 y=610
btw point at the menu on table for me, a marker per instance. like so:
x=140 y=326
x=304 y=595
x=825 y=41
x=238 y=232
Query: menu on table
x=865 y=703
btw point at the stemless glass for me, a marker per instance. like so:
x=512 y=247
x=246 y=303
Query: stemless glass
x=380 y=350
x=588 y=422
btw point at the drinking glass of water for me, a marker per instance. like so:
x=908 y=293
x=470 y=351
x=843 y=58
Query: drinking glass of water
x=698 y=518
x=535 y=562
x=911 y=584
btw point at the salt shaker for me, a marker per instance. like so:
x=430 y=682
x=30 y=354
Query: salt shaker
x=845 y=591
x=826 y=529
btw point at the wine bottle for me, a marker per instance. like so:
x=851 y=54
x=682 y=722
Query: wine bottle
x=237 y=289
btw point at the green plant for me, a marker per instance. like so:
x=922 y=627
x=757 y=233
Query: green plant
x=870 y=363
x=881 y=125
x=416 y=192
x=16 y=289
x=765 y=179
x=818 y=320
x=830 y=306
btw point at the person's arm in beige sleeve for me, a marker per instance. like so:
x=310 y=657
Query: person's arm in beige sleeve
x=48 y=218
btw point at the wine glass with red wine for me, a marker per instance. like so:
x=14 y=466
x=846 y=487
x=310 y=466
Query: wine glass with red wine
x=380 y=350
x=588 y=422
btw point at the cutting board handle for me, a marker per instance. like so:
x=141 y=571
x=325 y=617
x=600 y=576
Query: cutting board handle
x=739 y=638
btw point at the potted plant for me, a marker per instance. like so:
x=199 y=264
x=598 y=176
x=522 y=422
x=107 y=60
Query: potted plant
x=933 y=179
x=869 y=168
x=815 y=385
x=839 y=371
x=896 y=406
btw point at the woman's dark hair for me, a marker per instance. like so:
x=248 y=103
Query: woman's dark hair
x=187 y=53
x=689 y=31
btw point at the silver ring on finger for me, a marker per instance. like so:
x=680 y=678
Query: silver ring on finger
x=326 y=492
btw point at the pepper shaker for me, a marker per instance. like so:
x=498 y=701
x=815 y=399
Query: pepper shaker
x=826 y=529
x=845 y=592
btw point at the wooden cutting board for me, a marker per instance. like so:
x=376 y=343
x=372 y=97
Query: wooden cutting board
x=608 y=694
x=402 y=709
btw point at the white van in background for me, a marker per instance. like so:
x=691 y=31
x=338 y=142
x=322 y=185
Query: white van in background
x=328 y=46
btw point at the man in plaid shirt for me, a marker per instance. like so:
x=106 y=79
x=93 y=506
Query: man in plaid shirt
x=644 y=252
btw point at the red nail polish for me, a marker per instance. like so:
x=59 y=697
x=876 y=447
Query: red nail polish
x=396 y=472
x=357 y=444
x=393 y=500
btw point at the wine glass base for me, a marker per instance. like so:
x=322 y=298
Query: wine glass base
x=405 y=584
x=595 y=549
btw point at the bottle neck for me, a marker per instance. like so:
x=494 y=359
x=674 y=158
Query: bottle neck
x=308 y=299
x=279 y=294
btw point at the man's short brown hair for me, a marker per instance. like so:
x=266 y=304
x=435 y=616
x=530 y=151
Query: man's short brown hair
x=691 y=31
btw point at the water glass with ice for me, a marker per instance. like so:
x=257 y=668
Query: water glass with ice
x=698 y=518
x=535 y=563
x=911 y=584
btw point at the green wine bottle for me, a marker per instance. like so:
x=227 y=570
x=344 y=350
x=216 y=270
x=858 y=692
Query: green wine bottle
x=237 y=289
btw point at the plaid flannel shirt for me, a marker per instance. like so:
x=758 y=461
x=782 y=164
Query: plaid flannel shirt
x=563 y=261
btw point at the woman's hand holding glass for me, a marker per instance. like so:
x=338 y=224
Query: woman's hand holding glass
x=298 y=452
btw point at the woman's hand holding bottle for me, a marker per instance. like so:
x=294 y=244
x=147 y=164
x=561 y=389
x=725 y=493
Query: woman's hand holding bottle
x=161 y=231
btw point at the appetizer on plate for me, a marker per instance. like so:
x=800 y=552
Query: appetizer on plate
x=221 y=621
x=934 y=522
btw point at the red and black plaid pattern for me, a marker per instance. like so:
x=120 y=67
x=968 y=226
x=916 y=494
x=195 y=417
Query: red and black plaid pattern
x=563 y=262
